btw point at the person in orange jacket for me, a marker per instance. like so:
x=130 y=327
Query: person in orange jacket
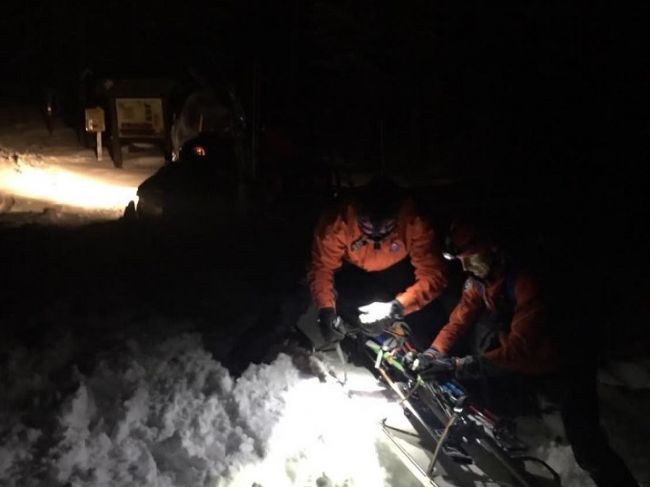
x=503 y=306
x=375 y=260
x=505 y=314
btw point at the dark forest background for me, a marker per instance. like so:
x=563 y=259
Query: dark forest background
x=527 y=91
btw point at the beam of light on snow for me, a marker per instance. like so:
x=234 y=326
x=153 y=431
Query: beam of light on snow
x=324 y=437
x=63 y=187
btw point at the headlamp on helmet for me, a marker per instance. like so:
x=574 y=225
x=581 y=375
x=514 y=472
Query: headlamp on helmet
x=377 y=205
x=464 y=239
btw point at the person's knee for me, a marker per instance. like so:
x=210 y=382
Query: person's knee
x=605 y=467
x=587 y=458
x=590 y=448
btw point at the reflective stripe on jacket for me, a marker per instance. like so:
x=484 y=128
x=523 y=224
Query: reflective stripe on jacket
x=525 y=345
x=338 y=238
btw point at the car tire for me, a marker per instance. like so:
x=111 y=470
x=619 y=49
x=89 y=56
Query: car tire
x=130 y=213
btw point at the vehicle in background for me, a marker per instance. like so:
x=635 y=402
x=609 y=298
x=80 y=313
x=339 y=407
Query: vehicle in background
x=166 y=109
x=201 y=183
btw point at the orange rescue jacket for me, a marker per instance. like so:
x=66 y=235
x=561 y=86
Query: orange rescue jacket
x=338 y=238
x=527 y=346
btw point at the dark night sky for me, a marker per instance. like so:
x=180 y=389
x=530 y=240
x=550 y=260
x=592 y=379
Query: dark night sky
x=467 y=83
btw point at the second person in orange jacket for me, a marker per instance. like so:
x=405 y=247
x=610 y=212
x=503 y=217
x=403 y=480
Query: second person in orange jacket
x=512 y=340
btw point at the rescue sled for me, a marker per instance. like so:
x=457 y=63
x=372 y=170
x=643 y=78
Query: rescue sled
x=443 y=436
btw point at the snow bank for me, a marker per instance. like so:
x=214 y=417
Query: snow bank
x=166 y=414
x=16 y=448
x=42 y=173
x=169 y=415
x=31 y=183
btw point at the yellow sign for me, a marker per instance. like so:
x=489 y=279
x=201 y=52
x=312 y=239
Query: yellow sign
x=95 y=120
x=140 y=117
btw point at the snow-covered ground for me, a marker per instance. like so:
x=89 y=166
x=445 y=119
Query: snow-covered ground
x=53 y=178
x=125 y=404
x=167 y=414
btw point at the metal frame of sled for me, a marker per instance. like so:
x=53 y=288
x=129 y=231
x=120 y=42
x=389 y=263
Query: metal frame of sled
x=458 y=419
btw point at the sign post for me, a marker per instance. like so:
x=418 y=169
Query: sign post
x=140 y=117
x=137 y=119
x=96 y=122
x=99 y=146
x=137 y=112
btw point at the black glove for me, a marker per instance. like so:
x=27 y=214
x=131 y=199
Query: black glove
x=329 y=325
x=468 y=367
x=429 y=359
x=376 y=317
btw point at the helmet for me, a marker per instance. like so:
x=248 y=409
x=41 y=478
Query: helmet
x=377 y=205
x=466 y=237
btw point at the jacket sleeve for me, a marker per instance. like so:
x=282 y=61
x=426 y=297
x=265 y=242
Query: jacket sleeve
x=430 y=269
x=328 y=249
x=527 y=347
x=461 y=318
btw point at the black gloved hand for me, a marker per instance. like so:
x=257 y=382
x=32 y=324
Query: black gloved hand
x=432 y=361
x=327 y=324
x=468 y=367
x=376 y=317
x=424 y=359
